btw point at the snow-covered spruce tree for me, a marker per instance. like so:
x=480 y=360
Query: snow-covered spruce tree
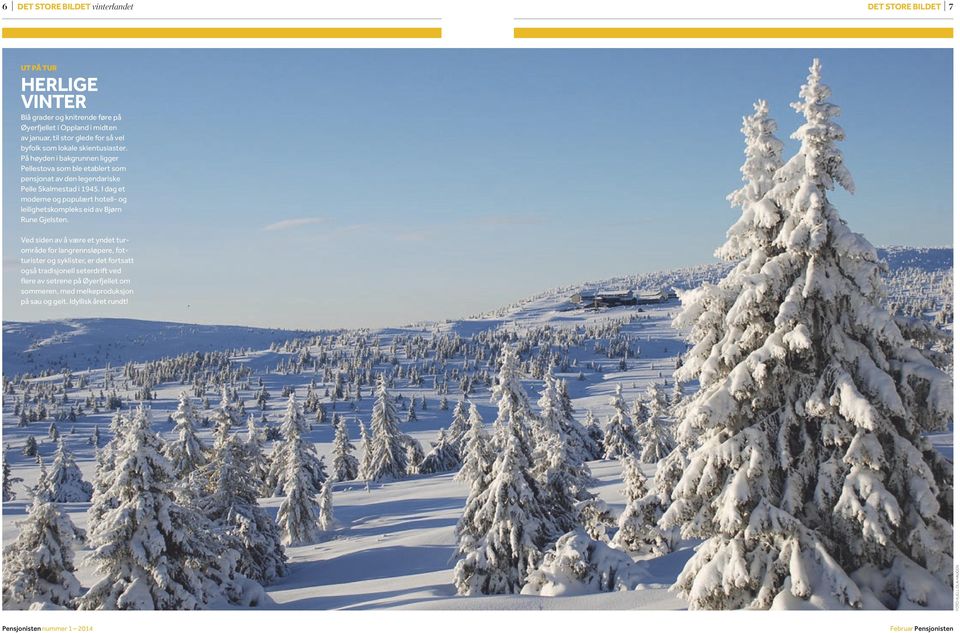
x=595 y=433
x=556 y=417
x=442 y=458
x=30 y=448
x=345 y=464
x=151 y=552
x=459 y=426
x=477 y=452
x=294 y=424
x=634 y=481
x=637 y=529
x=8 y=479
x=504 y=526
x=511 y=399
x=42 y=487
x=65 y=481
x=366 y=454
x=749 y=243
x=559 y=464
x=256 y=459
x=413 y=453
x=750 y=240
x=103 y=479
x=225 y=490
x=655 y=434
x=186 y=452
x=326 y=520
x=38 y=566
x=556 y=420
x=584 y=445
x=760 y=216
x=639 y=411
x=299 y=512
x=811 y=480
x=388 y=457
x=224 y=418
x=619 y=438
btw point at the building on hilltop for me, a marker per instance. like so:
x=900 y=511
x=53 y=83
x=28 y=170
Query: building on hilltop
x=589 y=298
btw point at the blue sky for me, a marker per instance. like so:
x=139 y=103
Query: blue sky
x=337 y=188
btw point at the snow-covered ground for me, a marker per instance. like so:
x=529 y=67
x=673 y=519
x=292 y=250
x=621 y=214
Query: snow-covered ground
x=398 y=547
x=395 y=548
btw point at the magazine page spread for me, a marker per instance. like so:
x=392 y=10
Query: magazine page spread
x=548 y=311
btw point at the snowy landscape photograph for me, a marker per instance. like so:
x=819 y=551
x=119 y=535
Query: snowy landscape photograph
x=497 y=330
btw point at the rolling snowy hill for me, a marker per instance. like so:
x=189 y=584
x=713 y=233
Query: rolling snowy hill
x=917 y=274
x=83 y=343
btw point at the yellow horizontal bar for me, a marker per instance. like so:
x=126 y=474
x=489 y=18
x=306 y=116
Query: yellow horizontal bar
x=222 y=32
x=733 y=32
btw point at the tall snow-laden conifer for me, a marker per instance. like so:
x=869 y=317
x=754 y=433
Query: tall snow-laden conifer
x=151 y=552
x=478 y=456
x=345 y=464
x=8 y=479
x=459 y=426
x=759 y=217
x=810 y=477
x=634 y=481
x=592 y=428
x=100 y=502
x=654 y=434
x=619 y=438
x=556 y=420
x=560 y=468
x=637 y=529
x=749 y=243
x=226 y=493
x=256 y=459
x=185 y=452
x=388 y=457
x=327 y=522
x=38 y=566
x=224 y=418
x=504 y=526
x=511 y=399
x=639 y=411
x=299 y=512
x=293 y=425
x=64 y=481
x=581 y=440
x=637 y=526
x=366 y=454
